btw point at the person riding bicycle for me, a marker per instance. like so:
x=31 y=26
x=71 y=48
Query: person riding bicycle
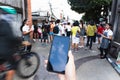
x=8 y=41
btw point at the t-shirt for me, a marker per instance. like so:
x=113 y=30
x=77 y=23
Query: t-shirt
x=100 y=30
x=91 y=30
x=105 y=42
x=25 y=28
x=109 y=32
x=74 y=30
x=68 y=27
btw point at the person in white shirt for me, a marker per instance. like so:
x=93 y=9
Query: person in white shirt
x=26 y=30
x=106 y=38
x=68 y=29
x=62 y=29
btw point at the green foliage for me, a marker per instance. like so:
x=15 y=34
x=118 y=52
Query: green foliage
x=91 y=8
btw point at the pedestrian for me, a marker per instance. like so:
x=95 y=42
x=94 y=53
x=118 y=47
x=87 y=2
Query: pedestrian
x=82 y=34
x=35 y=33
x=8 y=41
x=26 y=32
x=68 y=29
x=62 y=29
x=57 y=30
x=100 y=30
x=91 y=29
x=40 y=33
x=44 y=36
x=75 y=35
x=106 y=38
x=51 y=30
x=26 y=29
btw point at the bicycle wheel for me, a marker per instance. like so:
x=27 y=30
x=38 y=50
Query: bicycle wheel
x=28 y=65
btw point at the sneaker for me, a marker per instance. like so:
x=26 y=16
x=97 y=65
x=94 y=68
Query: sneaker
x=86 y=48
x=98 y=48
x=81 y=46
x=102 y=57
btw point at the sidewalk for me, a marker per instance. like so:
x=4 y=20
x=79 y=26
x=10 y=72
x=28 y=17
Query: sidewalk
x=88 y=65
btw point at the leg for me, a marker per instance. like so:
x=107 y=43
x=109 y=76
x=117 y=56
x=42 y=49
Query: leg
x=10 y=75
x=73 y=43
x=50 y=36
x=88 y=38
x=76 y=46
x=91 y=40
x=106 y=52
x=73 y=46
x=82 y=41
x=101 y=52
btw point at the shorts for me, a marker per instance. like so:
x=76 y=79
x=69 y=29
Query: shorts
x=51 y=33
x=75 y=40
x=98 y=35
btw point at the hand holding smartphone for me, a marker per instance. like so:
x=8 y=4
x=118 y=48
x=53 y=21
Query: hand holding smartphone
x=58 y=56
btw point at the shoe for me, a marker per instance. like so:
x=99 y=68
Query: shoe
x=102 y=57
x=98 y=48
x=81 y=46
x=76 y=51
x=90 y=48
x=86 y=48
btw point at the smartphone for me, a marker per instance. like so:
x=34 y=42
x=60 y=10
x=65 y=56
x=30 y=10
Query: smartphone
x=58 y=56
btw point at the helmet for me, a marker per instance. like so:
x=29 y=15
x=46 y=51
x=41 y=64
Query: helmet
x=7 y=10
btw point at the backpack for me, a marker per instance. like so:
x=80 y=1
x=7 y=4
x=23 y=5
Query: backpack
x=56 y=30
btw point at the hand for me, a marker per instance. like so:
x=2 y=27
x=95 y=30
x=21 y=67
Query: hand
x=103 y=36
x=30 y=30
x=70 y=73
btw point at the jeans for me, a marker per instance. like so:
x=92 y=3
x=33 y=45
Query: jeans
x=89 y=41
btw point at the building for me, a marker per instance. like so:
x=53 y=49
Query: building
x=114 y=50
x=23 y=8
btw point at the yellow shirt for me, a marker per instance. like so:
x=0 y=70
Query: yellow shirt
x=91 y=30
x=74 y=30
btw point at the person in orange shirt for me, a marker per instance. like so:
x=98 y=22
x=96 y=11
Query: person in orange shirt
x=51 y=30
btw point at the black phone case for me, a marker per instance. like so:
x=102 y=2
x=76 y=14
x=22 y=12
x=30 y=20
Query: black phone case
x=67 y=43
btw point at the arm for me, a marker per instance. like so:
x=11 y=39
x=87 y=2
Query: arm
x=110 y=37
x=25 y=32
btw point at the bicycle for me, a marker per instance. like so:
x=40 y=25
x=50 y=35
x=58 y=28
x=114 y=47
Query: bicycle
x=25 y=64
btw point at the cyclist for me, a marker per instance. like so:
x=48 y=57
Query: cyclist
x=8 y=41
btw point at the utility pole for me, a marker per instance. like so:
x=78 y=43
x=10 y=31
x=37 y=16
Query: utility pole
x=51 y=10
x=29 y=11
x=29 y=16
x=23 y=8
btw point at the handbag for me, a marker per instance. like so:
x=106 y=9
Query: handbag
x=77 y=34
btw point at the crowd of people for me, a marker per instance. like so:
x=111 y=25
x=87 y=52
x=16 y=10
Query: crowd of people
x=77 y=31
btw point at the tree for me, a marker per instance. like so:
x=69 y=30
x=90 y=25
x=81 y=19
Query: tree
x=93 y=9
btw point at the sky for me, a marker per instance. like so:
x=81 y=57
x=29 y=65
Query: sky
x=58 y=6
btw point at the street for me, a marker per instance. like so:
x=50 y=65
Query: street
x=87 y=62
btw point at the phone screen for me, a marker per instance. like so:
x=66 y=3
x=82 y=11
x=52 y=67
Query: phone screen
x=58 y=56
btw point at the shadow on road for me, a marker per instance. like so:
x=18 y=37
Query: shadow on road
x=80 y=61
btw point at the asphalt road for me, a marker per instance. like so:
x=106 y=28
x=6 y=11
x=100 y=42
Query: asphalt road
x=88 y=65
